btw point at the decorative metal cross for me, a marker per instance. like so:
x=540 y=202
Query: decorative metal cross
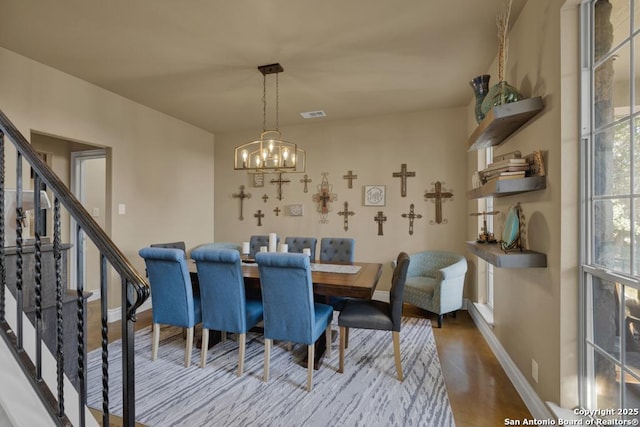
x=259 y=215
x=265 y=198
x=411 y=215
x=277 y=211
x=323 y=197
x=280 y=181
x=439 y=196
x=350 y=177
x=380 y=219
x=242 y=195
x=305 y=180
x=346 y=213
x=403 y=174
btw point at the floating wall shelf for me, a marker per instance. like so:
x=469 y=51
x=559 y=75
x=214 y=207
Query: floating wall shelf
x=508 y=187
x=502 y=121
x=492 y=253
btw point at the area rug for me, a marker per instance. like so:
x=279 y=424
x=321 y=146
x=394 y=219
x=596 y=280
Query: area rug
x=366 y=394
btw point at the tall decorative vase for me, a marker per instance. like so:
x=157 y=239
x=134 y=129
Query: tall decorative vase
x=501 y=93
x=480 y=86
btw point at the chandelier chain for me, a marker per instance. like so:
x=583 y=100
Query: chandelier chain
x=264 y=102
x=277 y=102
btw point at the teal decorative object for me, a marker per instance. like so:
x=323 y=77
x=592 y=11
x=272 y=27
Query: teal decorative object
x=501 y=93
x=480 y=85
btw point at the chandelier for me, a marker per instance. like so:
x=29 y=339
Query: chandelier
x=270 y=153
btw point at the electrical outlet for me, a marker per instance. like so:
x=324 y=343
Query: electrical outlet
x=96 y=212
x=122 y=209
x=534 y=370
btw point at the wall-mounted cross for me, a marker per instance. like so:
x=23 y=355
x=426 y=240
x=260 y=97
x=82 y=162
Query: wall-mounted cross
x=324 y=197
x=403 y=174
x=411 y=215
x=265 y=198
x=380 y=219
x=280 y=181
x=277 y=211
x=259 y=215
x=439 y=196
x=346 y=213
x=305 y=180
x=350 y=177
x=242 y=195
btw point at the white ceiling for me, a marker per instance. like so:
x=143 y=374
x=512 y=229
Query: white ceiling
x=197 y=60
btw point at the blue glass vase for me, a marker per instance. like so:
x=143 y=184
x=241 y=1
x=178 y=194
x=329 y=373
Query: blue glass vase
x=501 y=93
x=480 y=86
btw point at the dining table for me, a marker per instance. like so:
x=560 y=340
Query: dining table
x=353 y=280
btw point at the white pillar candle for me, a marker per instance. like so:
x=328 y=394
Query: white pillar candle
x=306 y=251
x=284 y=247
x=263 y=249
x=245 y=248
x=272 y=242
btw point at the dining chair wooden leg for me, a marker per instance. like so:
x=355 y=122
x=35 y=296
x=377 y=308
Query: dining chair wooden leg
x=223 y=336
x=267 y=351
x=156 y=341
x=346 y=339
x=327 y=334
x=289 y=346
x=241 y=344
x=396 y=351
x=187 y=354
x=310 y=355
x=204 y=348
x=343 y=333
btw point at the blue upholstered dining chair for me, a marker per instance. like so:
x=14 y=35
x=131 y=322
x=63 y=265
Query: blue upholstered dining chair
x=290 y=313
x=298 y=244
x=371 y=314
x=338 y=250
x=224 y=306
x=259 y=240
x=172 y=298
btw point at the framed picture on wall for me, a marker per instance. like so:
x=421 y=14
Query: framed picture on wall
x=374 y=195
x=258 y=180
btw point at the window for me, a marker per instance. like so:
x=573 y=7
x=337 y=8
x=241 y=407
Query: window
x=610 y=159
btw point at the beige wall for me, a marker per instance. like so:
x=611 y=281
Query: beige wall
x=162 y=167
x=431 y=143
x=535 y=310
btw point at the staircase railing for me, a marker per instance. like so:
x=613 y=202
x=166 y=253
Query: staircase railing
x=134 y=288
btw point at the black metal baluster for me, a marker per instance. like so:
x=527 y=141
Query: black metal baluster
x=128 y=374
x=19 y=296
x=57 y=257
x=38 y=276
x=82 y=394
x=3 y=270
x=104 y=309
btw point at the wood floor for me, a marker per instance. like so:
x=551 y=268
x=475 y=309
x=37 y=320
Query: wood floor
x=479 y=390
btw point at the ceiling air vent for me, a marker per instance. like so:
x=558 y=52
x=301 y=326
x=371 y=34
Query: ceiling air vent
x=313 y=114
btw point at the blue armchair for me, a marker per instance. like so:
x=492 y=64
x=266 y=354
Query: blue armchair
x=224 y=306
x=289 y=311
x=435 y=282
x=172 y=298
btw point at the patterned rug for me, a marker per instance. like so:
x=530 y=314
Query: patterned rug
x=366 y=394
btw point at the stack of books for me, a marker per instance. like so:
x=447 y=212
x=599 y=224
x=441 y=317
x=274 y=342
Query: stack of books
x=505 y=169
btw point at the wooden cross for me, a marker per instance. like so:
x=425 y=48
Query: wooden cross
x=346 y=213
x=265 y=197
x=411 y=215
x=439 y=197
x=242 y=195
x=280 y=181
x=323 y=197
x=350 y=177
x=380 y=219
x=403 y=174
x=277 y=211
x=259 y=215
x=305 y=180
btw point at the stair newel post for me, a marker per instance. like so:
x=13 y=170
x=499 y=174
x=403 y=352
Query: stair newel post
x=3 y=270
x=104 y=308
x=19 y=296
x=38 y=277
x=128 y=374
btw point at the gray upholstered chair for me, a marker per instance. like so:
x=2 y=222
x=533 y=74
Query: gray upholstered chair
x=298 y=244
x=371 y=314
x=259 y=240
x=435 y=282
x=334 y=249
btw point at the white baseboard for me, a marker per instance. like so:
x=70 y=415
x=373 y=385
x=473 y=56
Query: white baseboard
x=529 y=396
